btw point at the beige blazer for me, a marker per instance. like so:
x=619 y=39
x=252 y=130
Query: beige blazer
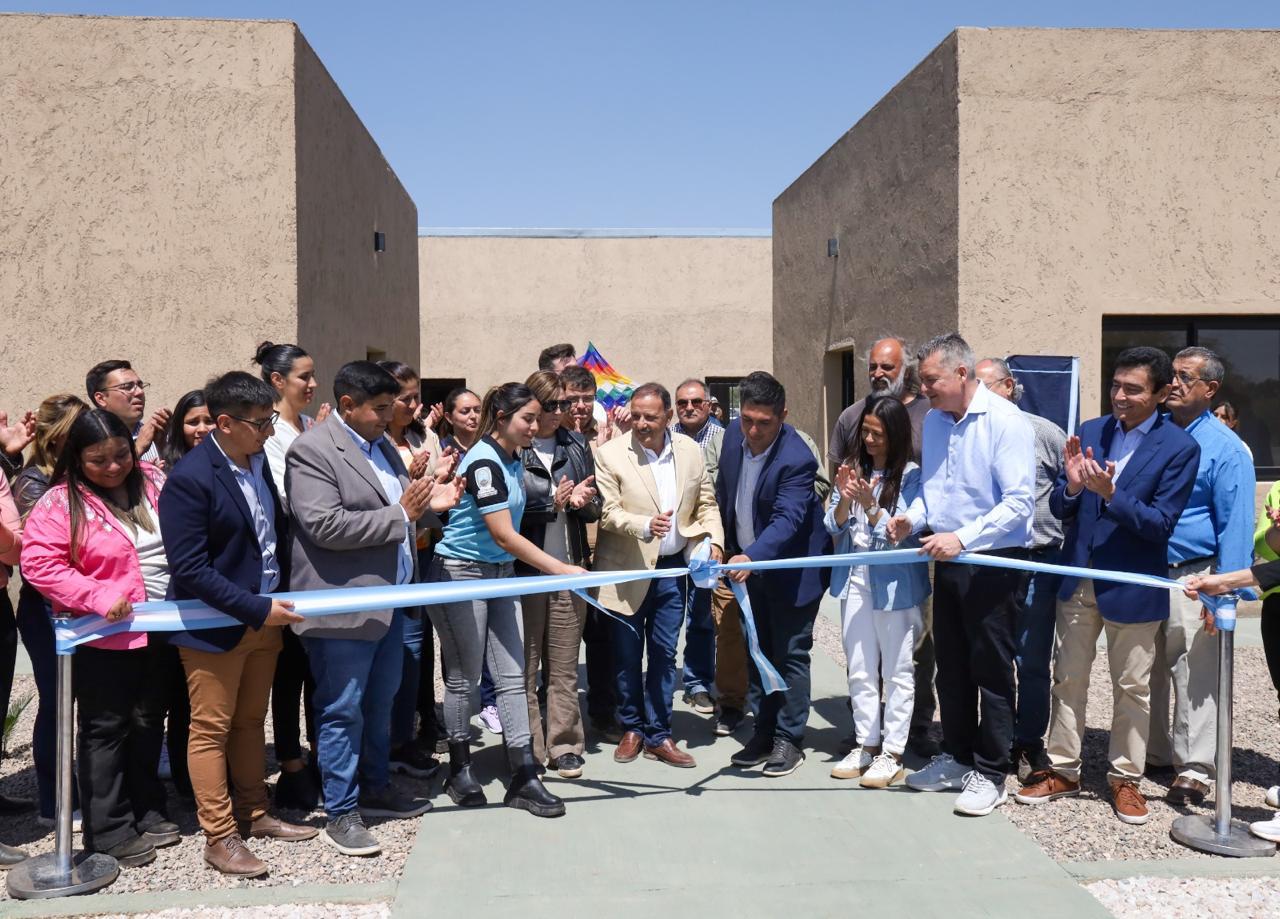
x=629 y=493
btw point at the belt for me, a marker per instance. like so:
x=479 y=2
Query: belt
x=1188 y=563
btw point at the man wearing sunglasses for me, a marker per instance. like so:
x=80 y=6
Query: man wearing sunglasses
x=115 y=387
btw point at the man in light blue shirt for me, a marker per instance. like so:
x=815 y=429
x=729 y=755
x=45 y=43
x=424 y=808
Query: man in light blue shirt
x=1214 y=533
x=978 y=469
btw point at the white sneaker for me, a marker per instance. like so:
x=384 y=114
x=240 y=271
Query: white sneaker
x=852 y=765
x=164 y=771
x=980 y=796
x=886 y=769
x=942 y=773
x=1273 y=796
x=489 y=718
x=1266 y=829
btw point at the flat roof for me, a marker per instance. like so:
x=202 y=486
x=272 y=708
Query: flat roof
x=599 y=232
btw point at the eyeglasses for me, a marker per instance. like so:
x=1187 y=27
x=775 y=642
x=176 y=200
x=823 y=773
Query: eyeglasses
x=686 y=403
x=1187 y=379
x=555 y=406
x=131 y=386
x=581 y=400
x=260 y=425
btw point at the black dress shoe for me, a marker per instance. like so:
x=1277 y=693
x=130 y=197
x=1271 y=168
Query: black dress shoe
x=784 y=759
x=729 y=721
x=608 y=730
x=10 y=806
x=1186 y=790
x=1159 y=773
x=756 y=751
x=297 y=790
x=9 y=856
x=162 y=833
x=133 y=853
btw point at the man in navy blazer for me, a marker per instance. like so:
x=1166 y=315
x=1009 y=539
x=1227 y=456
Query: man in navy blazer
x=224 y=534
x=765 y=490
x=1127 y=478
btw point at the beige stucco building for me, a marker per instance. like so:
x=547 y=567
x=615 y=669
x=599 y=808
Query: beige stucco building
x=658 y=307
x=176 y=191
x=1047 y=191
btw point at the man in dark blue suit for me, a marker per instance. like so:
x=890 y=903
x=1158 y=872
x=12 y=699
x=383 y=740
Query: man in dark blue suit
x=765 y=490
x=223 y=527
x=1127 y=478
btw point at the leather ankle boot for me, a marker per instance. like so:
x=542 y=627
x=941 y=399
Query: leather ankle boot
x=526 y=791
x=461 y=784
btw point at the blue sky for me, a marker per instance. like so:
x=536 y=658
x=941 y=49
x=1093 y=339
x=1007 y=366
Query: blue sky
x=641 y=114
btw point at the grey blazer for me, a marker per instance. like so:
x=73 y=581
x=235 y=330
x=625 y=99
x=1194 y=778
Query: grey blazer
x=345 y=533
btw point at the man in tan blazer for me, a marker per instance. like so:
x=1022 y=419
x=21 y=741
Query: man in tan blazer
x=658 y=505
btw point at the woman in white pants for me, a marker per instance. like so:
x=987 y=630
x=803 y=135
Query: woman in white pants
x=879 y=604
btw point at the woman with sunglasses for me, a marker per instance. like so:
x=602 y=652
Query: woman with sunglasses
x=560 y=500
x=92 y=546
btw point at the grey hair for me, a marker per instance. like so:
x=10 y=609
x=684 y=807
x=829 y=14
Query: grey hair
x=955 y=352
x=906 y=379
x=706 y=390
x=1002 y=367
x=1214 y=371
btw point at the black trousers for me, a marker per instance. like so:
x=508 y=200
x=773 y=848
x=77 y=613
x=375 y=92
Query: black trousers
x=178 y=703
x=120 y=698
x=1271 y=637
x=8 y=650
x=602 y=701
x=786 y=640
x=975 y=612
x=292 y=684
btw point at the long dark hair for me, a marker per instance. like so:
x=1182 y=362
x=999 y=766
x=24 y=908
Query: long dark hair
x=503 y=402
x=893 y=417
x=173 y=443
x=450 y=403
x=94 y=427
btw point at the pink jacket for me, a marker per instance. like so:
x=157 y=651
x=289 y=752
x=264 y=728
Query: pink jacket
x=107 y=569
x=13 y=523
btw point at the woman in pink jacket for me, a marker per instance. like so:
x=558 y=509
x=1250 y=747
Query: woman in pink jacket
x=92 y=547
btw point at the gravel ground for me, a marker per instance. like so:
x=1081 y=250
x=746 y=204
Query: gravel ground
x=294 y=911
x=1189 y=898
x=1084 y=828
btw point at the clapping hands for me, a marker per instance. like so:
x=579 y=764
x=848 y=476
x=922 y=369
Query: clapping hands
x=1083 y=471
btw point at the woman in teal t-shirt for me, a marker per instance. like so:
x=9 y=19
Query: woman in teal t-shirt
x=482 y=540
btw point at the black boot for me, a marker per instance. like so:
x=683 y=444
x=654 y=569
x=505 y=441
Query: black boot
x=461 y=784
x=526 y=790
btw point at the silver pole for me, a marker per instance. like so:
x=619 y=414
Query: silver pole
x=1221 y=835
x=59 y=873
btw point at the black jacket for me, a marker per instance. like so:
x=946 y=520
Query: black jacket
x=573 y=459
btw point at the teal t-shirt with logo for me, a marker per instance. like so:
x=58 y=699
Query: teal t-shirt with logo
x=494 y=482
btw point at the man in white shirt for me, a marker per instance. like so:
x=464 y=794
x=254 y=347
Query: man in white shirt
x=979 y=495
x=657 y=505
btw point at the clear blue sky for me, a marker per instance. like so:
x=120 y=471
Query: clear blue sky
x=648 y=113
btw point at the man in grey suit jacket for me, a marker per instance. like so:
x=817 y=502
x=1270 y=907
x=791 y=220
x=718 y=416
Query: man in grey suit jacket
x=354 y=512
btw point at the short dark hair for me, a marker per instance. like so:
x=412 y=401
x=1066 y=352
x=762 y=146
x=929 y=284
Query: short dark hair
x=362 y=380
x=401 y=371
x=575 y=377
x=96 y=378
x=653 y=389
x=550 y=355
x=1157 y=362
x=235 y=393
x=763 y=389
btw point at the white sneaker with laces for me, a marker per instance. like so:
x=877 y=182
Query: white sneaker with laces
x=1273 y=796
x=1266 y=829
x=853 y=765
x=942 y=773
x=885 y=770
x=980 y=796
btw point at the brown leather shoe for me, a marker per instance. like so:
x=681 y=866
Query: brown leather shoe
x=628 y=747
x=1187 y=790
x=269 y=827
x=231 y=856
x=667 y=752
x=1046 y=786
x=1128 y=803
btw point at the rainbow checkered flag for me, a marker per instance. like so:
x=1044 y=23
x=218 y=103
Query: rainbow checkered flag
x=612 y=388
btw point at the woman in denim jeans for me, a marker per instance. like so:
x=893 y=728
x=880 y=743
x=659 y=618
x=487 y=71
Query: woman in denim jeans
x=879 y=604
x=482 y=541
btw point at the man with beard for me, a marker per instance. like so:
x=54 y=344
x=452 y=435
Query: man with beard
x=887 y=366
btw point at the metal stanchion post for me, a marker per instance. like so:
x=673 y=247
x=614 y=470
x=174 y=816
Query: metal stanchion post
x=1221 y=835
x=61 y=873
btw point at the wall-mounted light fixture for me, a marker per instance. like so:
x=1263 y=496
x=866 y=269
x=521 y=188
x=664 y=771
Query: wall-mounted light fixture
x=379 y=242
x=833 y=248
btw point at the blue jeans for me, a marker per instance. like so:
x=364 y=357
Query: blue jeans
x=644 y=699
x=1036 y=619
x=699 y=643
x=404 y=708
x=356 y=683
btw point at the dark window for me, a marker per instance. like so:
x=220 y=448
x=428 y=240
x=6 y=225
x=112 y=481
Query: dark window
x=434 y=390
x=1250 y=350
x=725 y=390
